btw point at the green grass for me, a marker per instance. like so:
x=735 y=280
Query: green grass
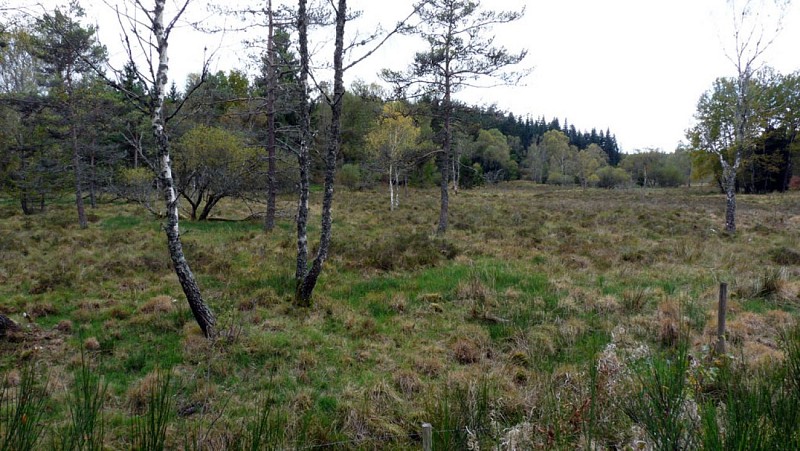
x=493 y=327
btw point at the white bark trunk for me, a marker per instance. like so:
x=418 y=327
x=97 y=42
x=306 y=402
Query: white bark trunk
x=397 y=188
x=202 y=313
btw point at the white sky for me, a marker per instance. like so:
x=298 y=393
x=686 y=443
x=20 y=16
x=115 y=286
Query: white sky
x=637 y=67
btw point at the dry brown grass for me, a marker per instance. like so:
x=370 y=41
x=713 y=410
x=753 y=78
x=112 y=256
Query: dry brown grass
x=542 y=278
x=466 y=351
x=158 y=304
x=91 y=344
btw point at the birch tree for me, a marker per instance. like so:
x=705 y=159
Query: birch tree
x=307 y=275
x=589 y=161
x=755 y=25
x=150 y=32
x=393 y=142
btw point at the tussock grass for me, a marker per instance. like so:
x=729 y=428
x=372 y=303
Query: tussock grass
x=521 y=326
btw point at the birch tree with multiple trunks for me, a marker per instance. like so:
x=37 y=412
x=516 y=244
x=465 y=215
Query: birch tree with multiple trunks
x=306 y=275
x=393 y=142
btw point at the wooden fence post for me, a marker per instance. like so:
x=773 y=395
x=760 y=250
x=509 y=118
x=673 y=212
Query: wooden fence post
x=427 y=437
x=723 y=306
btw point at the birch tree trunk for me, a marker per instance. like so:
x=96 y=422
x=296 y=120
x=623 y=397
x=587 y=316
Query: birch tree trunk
x=308 y=282
x=303 y=152
x=202 y=313
x=729 y=183
x=272 y=185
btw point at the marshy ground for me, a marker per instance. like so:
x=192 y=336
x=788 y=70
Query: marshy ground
x=512 y=330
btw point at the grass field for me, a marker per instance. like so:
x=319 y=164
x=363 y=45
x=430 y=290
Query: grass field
x=539 y=321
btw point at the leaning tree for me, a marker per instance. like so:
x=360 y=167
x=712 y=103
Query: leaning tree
x=147 y=29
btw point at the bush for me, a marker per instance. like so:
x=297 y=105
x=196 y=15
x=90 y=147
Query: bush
x=669 y=176
x=611 y=177
x=660 y=406
x=408 y=251
x=350 y=176
x=138 y=185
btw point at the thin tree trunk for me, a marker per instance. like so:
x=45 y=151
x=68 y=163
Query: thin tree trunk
x=729 y=180
x=24 y=191
x=303 y=154
x=397 y=188
x=306 y=288
x=76 y=161
x=211 y=202
x=391 y=190
x=202 y=314
x=194 y=205
x=92 y=184
x=445 y=166
x=272 y=185
x=24 y=202
x=455 y=172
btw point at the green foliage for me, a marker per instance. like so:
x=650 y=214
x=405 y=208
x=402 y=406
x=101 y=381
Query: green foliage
x=22 y=411
x=758 y=409
x=213 y=163
x=86 y=430
x=267 y=429
x=611 y=177
x=219 y=99
x=462 y=415
x=65 y=47
x=758 y=140
x=393 y=144
x=138 y=185
x=361 y=113
x=350 y=176
x=653 y=168
x=590 y=160
x=492 y=154
x=661 y=405
x=149 y=431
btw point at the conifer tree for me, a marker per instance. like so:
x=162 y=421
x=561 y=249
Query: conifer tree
x=459 y=52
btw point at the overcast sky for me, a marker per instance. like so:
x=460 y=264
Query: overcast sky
x=637 y=67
